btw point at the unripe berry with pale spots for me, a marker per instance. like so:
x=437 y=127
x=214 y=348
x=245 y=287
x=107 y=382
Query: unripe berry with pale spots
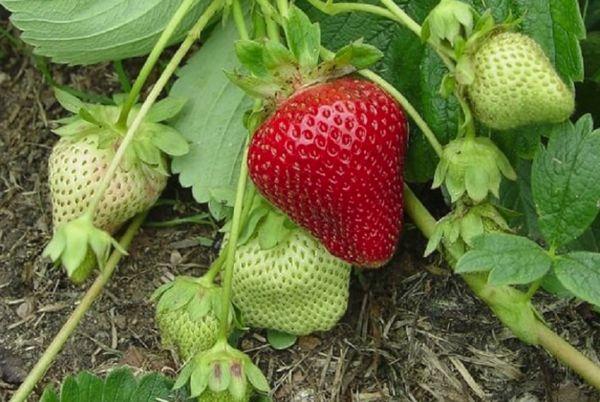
x=296 y=287
x=515 y=84
x=75 y=169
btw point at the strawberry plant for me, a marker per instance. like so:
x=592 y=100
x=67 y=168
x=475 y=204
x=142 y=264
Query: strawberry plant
x=291 y=123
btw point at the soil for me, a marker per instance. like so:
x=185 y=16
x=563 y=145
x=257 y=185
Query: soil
x=413 y=331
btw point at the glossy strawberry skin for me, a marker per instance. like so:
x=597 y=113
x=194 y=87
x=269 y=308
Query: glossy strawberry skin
x=331 y=157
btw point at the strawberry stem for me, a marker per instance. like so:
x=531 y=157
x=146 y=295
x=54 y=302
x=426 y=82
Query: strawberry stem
x=272 y=28
x=240 y=212
x=542 y=335
x=240 y=22
x=152 y=58
x=67 y=329
x=215 y=267
x=232 y=245
x=185 y=46
x=331 y=8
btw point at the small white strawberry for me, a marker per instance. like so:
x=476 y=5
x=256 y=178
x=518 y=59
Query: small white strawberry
x=81 y=159
x=76 y=166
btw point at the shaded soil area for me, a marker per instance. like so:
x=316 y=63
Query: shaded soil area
x=412 y=332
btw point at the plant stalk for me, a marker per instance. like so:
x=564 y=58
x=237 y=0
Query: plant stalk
x=69 y=327
x=240 y=22
x=567 y=354
x=232 y=245
x=504 y=300
x=185 y=46
x=331 y=8
x=152 y=58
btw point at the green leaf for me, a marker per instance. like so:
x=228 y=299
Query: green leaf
x=591 y=56
x=280 y=340
x=169 y=140
x=147 y=151
x=511 y=259
x=92 y=31
x=272 y=230
x=177 y=296
x=70 y=102
x=69 y=391
x=199 y=379
x=589 y=240
x=579 y=272
x=256 y=215
x=551 y=284
x=119 y=385
x=303 y=38
x=49 y=395
x=250 y=54
x=152 y=387
x=90 y=387
x=256 y=87
x=566 y=181
x=256 y=377
x=219 y=377
x=358 y=54
x=211 y=120
x=165 y=109
x=515 y=196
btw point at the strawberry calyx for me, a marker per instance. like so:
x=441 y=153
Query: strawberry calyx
x=196 y=297
x=275 y=72
x=464 y=224
x=187 y=314
x=449 y=22
x=223 y=369
x=472 y=166
x=150 y=144
x=459 y=30
x=75 y=241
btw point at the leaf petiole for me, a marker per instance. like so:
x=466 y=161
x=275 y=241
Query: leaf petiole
x=232 y=245
x=152 y=58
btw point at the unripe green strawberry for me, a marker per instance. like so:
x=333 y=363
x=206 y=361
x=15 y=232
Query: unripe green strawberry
x=187 y=315
x=223 y=396
x=515 y=84
x=296 y=287
x=187 y=336
x=76 y=166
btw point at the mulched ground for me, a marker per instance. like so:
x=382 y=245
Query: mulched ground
x=412 y=332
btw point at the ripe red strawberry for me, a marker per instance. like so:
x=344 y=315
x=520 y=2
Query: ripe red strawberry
x=331 y=157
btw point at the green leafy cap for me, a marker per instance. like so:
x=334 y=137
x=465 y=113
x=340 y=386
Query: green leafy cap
x=72 y=243
x=223 y=369
x=450 y=21
x=152 y=140
x=474 y=166
x=464 y=224
x=197 y=297
x=275 y=71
